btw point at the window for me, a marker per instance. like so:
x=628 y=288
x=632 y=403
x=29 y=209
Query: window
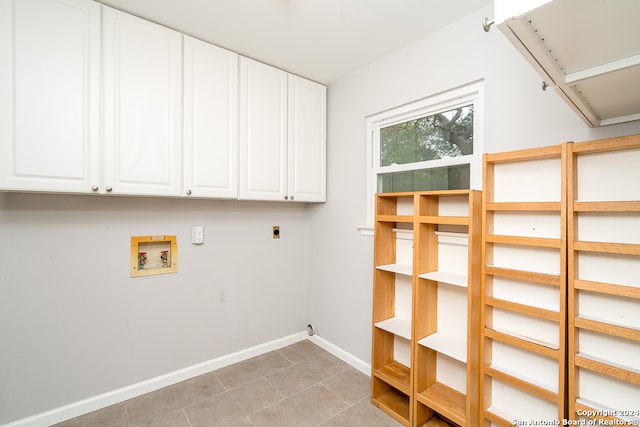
x=431 y=144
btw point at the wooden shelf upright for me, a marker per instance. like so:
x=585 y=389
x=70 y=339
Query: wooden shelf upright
x=446 y=347
x=391 y=376
x=604 y=279
x=524 y=286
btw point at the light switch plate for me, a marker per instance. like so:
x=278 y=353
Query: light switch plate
x=197 y=234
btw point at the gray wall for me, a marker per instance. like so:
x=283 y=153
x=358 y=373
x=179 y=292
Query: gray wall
x=73 y=324
x=518 y=114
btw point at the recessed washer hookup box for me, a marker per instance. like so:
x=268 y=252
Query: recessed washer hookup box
x=153 y=255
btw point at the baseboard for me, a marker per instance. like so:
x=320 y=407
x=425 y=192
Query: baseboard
x=347 y=357
x=116 y=396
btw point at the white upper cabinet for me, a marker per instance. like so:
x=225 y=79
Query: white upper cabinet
x=95 y=100
x=282 y=135
x=49 y=95
x=263 y=131
x=587 y=50
x=142 y=106
x=307 y=140
x=210 y=120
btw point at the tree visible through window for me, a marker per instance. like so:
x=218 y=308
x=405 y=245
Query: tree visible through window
x=448 y=134
x=431 y=144
x=437 y=136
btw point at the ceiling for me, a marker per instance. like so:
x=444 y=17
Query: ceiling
x=322 y=40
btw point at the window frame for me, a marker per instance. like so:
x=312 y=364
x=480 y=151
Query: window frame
x=472 y=93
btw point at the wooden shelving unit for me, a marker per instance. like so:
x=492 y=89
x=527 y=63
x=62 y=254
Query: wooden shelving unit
x=604 y=279
x=516 y=304
x=391 y=379
x=426 y=311
x=524 y=286
x=446 y=304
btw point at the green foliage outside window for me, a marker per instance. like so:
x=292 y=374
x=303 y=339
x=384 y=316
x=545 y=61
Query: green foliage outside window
x=447 y=134
x=438 y=136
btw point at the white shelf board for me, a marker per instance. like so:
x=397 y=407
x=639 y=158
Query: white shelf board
x=595 y=74
x=397 y=326
x=531 y=380
x=446 y=277
x=403 y=233
x=526 y=338
x=452 y=238
x=608 y=362
x=501 y=412
x=405 y=269
x=450 y=345
x=607 y=321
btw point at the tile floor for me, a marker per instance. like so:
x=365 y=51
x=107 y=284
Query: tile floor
x=299 y=385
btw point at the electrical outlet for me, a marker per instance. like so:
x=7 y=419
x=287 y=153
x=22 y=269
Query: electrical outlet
x=197 y=234
x=276 y=231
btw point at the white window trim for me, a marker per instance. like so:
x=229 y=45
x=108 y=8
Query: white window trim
x=472 y=93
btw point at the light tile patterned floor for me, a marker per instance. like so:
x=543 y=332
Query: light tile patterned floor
x=299 y=385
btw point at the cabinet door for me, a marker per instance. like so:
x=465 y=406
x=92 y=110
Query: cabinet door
x=307 y=140
x=210 y=120
x=49 y=95
x=142 y=96
x=263 y=131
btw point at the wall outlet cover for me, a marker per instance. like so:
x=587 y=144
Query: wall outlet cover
x=197 y=234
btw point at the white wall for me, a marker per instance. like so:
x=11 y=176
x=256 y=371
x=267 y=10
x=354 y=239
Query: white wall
x=518 y=114
x=73 y=324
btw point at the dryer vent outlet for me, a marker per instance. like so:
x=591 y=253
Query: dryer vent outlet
x=311 y=330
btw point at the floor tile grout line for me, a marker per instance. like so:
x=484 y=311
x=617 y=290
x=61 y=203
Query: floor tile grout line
x=275 y=388
x=158 y=415
x=126 y=412
x=214 y=372
x=320 y=383
x=349 y=406
x=186 y=416
x=256 y=378
x=227 y=390
x=248 y=416
x=277 y=371
x=285 y=398
x=285 y=357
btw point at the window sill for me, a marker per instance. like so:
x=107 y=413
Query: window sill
x=366 y=230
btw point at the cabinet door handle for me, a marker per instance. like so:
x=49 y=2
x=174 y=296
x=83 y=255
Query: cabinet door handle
x=291 y=198
x=286 y=197
x=188 y=192
x=109 y=189
x=95 y=188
